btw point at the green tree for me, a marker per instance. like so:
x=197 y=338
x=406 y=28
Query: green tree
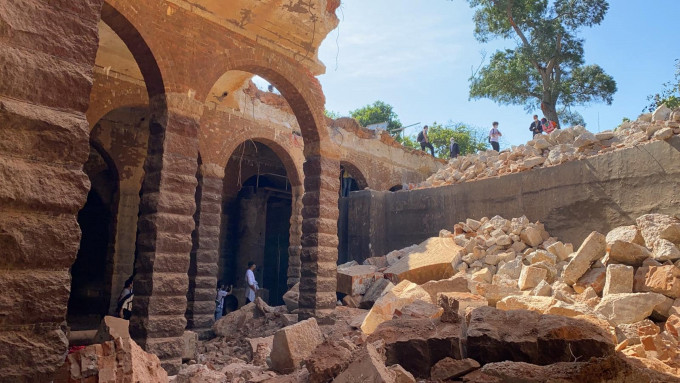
x=469 y=139
x=331 y=114
x=547 y=68
x=669 y=95
x=376 y=113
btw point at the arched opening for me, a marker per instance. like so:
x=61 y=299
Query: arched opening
x=256 y=222
x=351 y=179
x=90 y=282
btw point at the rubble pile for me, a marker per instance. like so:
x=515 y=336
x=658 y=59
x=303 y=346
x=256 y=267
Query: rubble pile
x=560 y=146
x=491 y=300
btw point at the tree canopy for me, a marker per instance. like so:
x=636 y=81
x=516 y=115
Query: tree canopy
x=546 y=69
x=378 y=112
x=469 y=139
x=670 y=93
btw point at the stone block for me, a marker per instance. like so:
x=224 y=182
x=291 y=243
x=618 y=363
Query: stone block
x=356 y=279
x=592 y=249
x=449 y=368
x=369 y=366
x=329 y=360
x=629 y=234
x=417 y=344
x=434 y=259
x=526 y=302
x=665 y=250
x=543 y=289
x=525 y=336
x=628 y=253
x=293 y=344
x=628 y=308
x=401 y=375
x=455 y=284
x=656 y=226
x=532 y=236
x=111 y=328
x=465 y=301
x=594 y=278
x=618 y=280
x=531 y=276
x=190 y=350
x=661 y=279
x=560 y=250
x=399 y=296
x=379 y=288
x=291 y=297
x=420 y=309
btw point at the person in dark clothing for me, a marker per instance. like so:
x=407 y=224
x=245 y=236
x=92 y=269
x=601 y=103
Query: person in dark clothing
x=536 y=126
x=454 y=149
x=124 y=306
x=425 y=141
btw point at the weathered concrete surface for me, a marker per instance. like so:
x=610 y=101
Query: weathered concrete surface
x=573 y=199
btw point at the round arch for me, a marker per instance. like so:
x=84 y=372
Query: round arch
x=298 y=87
x=355 y=173
x=146 y=61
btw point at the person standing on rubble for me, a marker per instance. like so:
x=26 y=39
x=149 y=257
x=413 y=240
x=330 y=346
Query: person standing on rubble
x=454 y=148
x=219 y=300
x=536 y=127
x=494 y=136
x=425 y=141
x=251 y=283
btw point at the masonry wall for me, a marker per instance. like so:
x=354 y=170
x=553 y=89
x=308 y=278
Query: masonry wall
x=571 y=199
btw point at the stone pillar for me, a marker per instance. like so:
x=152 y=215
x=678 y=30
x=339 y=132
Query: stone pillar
x=295 y=248
x=126 y=235
x=205 y=253
x=165 y=225
x=319 y=242
x=47 y=51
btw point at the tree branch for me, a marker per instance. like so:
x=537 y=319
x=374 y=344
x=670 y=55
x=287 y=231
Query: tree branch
x=525 y=41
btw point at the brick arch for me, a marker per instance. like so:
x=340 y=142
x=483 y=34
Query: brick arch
x=301 y=90
x=357 y=174
x=114 y=17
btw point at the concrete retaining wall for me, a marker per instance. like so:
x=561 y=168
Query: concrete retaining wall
x=572 y=199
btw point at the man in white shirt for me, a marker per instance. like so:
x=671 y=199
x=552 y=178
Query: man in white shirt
x=251 y=283
x=494 y=136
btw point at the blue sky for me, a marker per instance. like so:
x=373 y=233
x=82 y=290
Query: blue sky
x=418 y=56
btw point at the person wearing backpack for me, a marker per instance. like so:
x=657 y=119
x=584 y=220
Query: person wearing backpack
x=425 y=141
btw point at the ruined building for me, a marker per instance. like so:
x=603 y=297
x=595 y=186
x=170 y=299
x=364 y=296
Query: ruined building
x=137 y=122
x=135 y=141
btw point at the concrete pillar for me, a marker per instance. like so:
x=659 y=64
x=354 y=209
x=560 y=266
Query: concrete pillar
x=43 y=148
x=319 y=242
x=165 y=225
x=205 y=252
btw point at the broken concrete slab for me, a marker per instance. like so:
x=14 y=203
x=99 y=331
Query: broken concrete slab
x=434 y=259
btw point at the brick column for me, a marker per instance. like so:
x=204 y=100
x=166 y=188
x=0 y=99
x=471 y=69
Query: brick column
x=319 y=253
x=165 y=225
x=47 y=51
x=294 y=247
x=205 y=253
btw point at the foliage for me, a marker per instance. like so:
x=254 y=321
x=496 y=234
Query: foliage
x=669 y=95
x=376 y=113
x=469 y=139
x=331 y=114
x=547 y=68
x=571 y=118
